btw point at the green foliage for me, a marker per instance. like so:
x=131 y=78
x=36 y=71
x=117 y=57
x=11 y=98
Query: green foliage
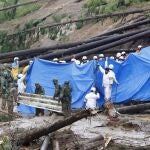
x=4 y=118
x=58 y=18
x=6 y=145
x=80 y=24
x=108 y=6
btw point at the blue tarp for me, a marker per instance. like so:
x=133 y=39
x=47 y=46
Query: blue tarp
x=133 y=76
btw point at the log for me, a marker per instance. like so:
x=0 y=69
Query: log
x=47 y=144
x=126 y=27
x=32 y=135
x=85 y=47
x=134 y=108
x=111 y=45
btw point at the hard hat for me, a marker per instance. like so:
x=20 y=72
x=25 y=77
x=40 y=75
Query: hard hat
x=62 y=61
x=111 y=66
x=121 y=58
x=118 y=55
x=112 y=57
x=30 y=62
x=84 y=58
x=55 y=59
x=95 y=57
x=93 y=89
x=123 y=53
x=101 y=55
x=20 y=75
x=140 y=46
x=78 y=62
x=73 y=59
x=16 y=58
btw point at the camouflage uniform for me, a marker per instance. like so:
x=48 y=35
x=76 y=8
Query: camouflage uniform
x=39 y=90
x=6 y=79
x=57 y=89
x=65 y=97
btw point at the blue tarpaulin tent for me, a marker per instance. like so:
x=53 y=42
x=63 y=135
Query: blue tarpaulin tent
x=133 y=76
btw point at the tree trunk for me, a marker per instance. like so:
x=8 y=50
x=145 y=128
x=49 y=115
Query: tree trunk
x=32 y=135
x=134 y=108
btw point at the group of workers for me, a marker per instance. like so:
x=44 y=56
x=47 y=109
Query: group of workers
x=12 y=82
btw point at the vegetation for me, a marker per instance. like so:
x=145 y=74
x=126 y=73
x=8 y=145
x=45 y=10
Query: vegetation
x=16 y=12
x=58 y=18
x=108 y=6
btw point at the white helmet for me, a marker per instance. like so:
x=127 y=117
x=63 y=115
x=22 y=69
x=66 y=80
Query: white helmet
x=140 y=46
x=111 y=66
x=77 y=62
x=62 y=61
x=20 y=75
x=101 y=55
x=73 y=59
x=118 y=55
x=30 y=62
x=93 y=89
x=123 y=53
x=112 y=57
x=55 y=59
x=84 y=58
x=95 y=57
x=16 y=58
x=121 y=58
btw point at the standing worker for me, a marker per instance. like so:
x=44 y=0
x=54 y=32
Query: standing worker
x=65 y=98
x=39 y=90
x=6 y=80
x=15 y=68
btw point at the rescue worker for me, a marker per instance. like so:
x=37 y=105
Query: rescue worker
x=108 y=79
x=65 y=98
x=95 y=58
x=15 y=68
x=25 y=69
x=84 y=60
x=91 y=99
x=20 y=83
x=12 y=97
x=75 y=61
x=57 y=89
x=56 y=60
x=117 y=57
x=39 y=90
x=101 y=57
x=121 y=59
x=6 y=80
x=138 y=50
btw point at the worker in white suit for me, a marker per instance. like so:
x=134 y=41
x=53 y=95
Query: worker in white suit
x=20 y=83
x=91 y=99
x=109 y=78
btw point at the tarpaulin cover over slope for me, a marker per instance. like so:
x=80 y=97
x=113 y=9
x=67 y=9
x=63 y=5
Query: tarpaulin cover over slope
x=133 y=76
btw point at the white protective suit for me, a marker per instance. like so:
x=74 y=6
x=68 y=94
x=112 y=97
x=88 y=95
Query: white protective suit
x=91 y=99
x=21 y=85
x=108 y=80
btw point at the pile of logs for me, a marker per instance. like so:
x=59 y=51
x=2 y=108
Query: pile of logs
x=98 y=44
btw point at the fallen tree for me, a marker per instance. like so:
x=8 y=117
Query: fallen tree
x=25 y=138
x=134 y=108
x=111 y=45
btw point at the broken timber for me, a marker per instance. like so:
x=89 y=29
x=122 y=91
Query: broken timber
x=40 y=101
x=32 y=135
x=134 y=108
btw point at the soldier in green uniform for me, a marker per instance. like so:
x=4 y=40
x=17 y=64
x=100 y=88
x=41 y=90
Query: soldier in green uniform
x=6 y=80
x=39 y=90
x=57 y=89
x=65 y=98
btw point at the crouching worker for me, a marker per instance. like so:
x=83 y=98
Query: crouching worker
x=91 y=99
x=39 y=90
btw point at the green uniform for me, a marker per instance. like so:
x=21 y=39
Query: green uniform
x=39 y=90
x=65 y=97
